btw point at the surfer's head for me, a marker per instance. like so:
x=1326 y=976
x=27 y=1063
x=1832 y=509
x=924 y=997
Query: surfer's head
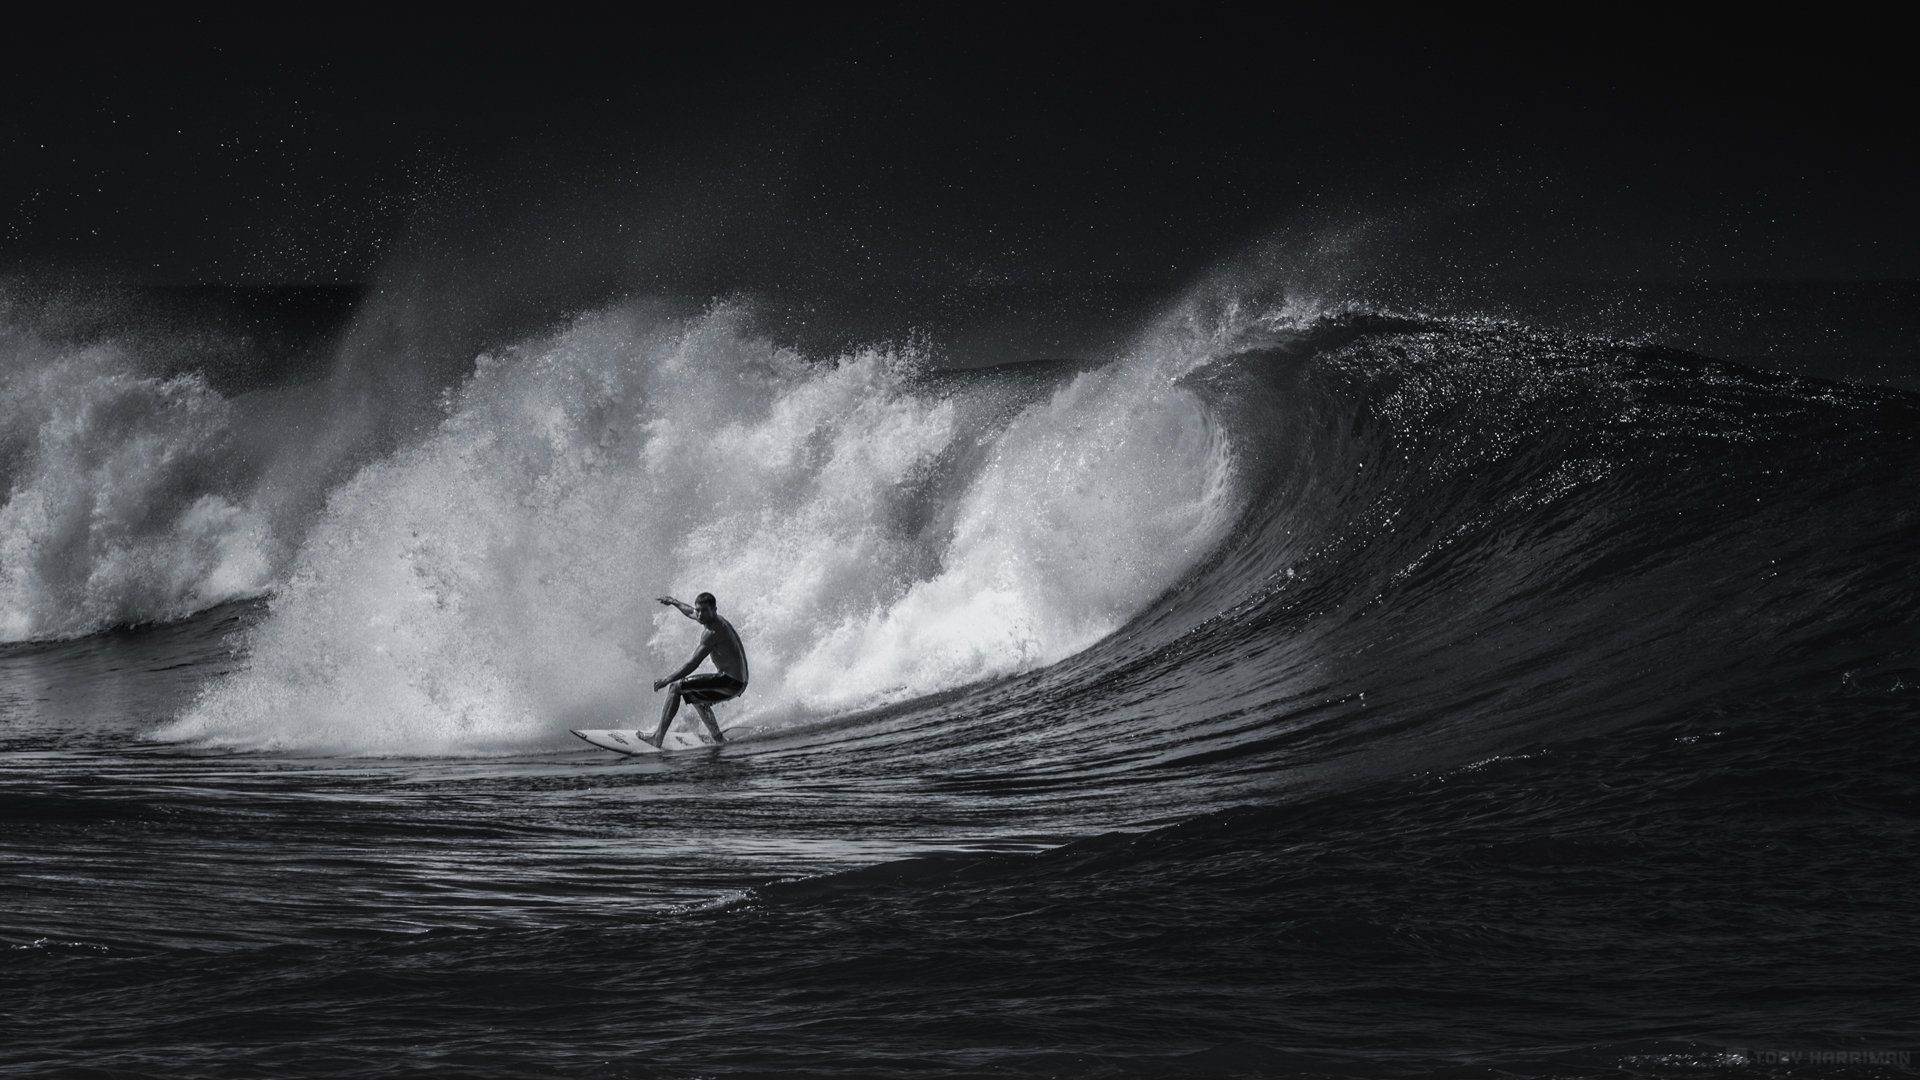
x=705 y=605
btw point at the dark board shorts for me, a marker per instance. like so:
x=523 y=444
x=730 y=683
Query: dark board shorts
x=710 y=689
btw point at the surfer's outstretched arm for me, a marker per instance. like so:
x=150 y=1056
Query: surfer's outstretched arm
x=685 y=609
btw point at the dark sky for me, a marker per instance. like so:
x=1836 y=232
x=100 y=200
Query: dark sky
x=749 y=154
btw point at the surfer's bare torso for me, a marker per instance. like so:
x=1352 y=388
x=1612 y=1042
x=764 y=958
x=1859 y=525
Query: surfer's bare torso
x=721 y=644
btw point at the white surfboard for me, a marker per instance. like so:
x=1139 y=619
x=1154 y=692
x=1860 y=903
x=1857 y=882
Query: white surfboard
x=628 y=742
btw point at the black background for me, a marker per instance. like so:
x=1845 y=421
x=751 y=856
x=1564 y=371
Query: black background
x=304 y=154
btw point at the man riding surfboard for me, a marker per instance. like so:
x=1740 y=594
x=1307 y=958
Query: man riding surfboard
x=720 y=641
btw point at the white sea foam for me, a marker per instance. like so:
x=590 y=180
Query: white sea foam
x=872 y=539
x=120 y=506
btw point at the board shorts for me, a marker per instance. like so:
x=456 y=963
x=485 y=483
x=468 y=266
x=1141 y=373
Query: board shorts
x=710 y=689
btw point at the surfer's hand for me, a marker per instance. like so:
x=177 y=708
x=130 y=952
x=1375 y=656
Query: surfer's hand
x=658 y=683
x=668 y=600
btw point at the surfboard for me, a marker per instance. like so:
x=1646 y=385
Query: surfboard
x=628 y=742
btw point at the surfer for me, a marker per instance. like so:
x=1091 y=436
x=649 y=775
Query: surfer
x=722 y=642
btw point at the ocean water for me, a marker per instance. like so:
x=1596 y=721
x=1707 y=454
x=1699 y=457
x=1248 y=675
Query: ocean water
x=1298 y=689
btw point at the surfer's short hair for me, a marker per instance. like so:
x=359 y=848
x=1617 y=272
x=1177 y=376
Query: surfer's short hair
x=707 y=599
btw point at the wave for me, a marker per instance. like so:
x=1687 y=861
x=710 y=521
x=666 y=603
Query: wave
x=122 y=501
x=1268 y=531
x=164 y=451
x=877 y=533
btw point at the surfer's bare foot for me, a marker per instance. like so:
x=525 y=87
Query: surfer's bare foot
x=650 y=740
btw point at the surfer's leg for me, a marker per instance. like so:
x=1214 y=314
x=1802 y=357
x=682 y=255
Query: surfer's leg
x=666 y=715
x=706 y=714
